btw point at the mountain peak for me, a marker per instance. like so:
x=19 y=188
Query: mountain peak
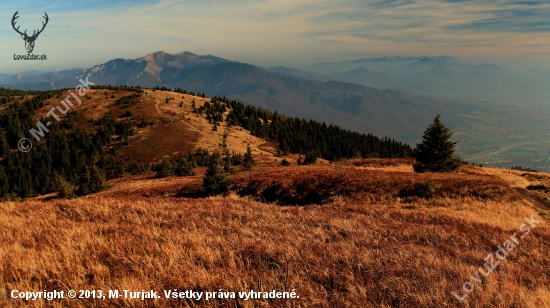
x=155 y=57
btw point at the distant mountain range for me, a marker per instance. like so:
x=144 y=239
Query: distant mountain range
x=437 y=75
x=380 y=64
x=425 y=75
x=358 y=99
x=4 y=76
x=312 y=96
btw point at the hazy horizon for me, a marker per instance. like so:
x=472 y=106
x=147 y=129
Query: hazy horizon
x=511 y=34
x=505 y=65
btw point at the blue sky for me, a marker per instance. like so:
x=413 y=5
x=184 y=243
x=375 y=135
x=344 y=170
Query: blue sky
x=513 y=34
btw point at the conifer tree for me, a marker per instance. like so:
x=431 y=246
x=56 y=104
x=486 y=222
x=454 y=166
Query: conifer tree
x=236 y=159
x=183 y=166
x=164 y=169
x=436 y=152
x=92 y=181
x=215 y=181
x=63 y=188
x=190 y=159
x=4 y=146
x=225 y=153
x=310 y=159
x=4 y=184
x=248 y=161
x=98 y=180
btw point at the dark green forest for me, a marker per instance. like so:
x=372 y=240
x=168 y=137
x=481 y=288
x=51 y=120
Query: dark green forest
x=299 y=136
x=68 y=160
x=72 y=161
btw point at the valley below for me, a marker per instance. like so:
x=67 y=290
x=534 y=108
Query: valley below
x=502 y=132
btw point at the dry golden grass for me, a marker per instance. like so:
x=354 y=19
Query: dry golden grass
x=380 y=162
x=149 y=186
x=365 y=248
x=317 y=184
x=176 y=129
x=237 y=140
x=333 y=256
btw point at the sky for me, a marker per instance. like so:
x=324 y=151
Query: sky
x=512 y=34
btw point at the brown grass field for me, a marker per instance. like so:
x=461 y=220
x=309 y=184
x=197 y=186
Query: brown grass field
x=360 y=233
x=364 y=246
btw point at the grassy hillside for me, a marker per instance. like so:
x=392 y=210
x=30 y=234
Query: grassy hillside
x=367 y=248
x=115 y=131
x=353 y=232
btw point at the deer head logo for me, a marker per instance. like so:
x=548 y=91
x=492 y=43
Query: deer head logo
x=29 y=40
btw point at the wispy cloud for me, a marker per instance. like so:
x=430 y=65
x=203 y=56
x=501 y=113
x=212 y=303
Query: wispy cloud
x=269 y=32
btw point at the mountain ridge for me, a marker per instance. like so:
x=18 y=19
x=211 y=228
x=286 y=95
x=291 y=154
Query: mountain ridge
x=355 y=107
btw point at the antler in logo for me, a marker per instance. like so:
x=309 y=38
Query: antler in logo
x=29 y=40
